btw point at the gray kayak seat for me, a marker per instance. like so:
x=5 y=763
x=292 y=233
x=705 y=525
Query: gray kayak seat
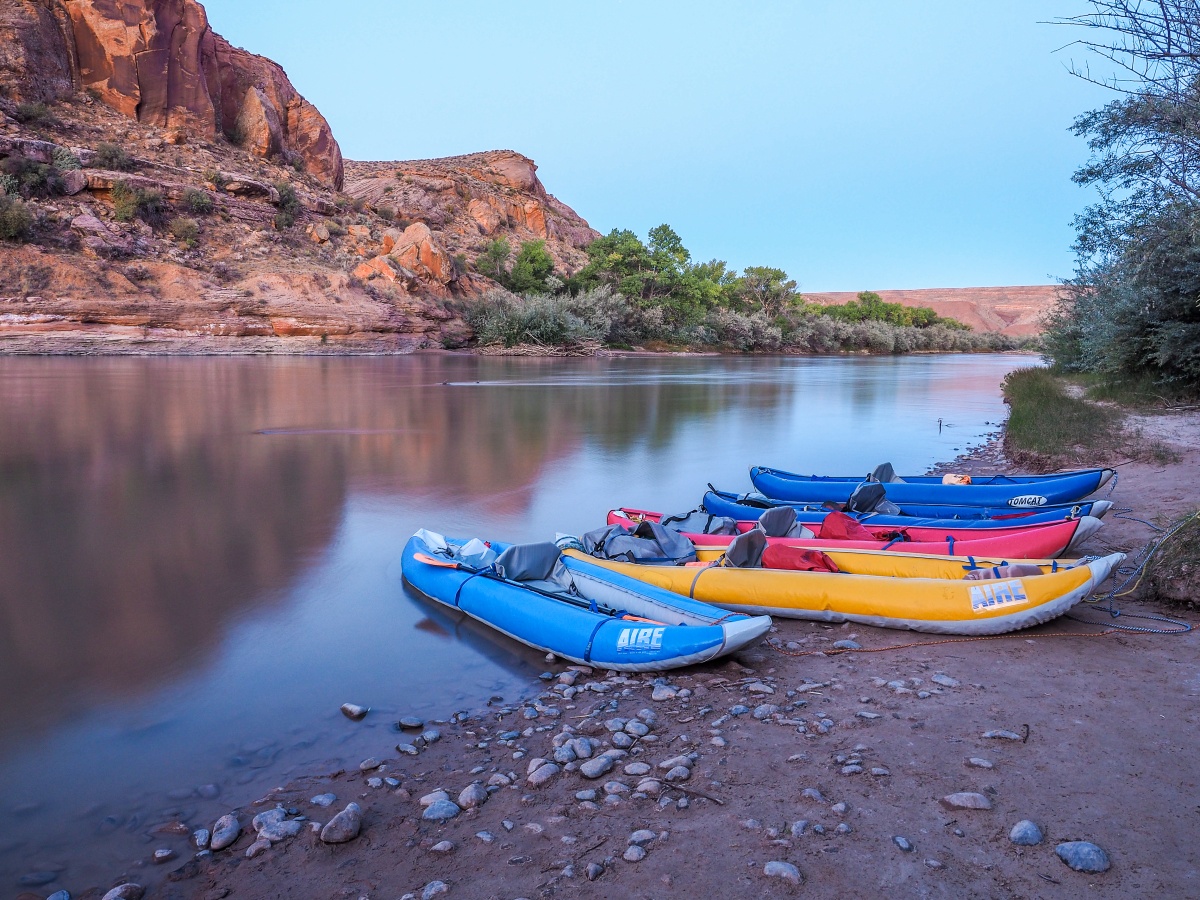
x=537 y=565
x=746 y=550
x=697 y=521
x=781 y=522
x=885 y=474
x=871 y=497
x=649 y=542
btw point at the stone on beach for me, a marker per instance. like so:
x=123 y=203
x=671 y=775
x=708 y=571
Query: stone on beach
x=354 y=712
x=323 y=799
x=1003 y=735
x=785 y=870
x=1025 y=834
x=345 y=826
x=225 y=832
x=966 y=800
x=472 y=795
x=275 y=832
x=268 y=817
x=1083 y=856
x=543 y=775
x=127 y=891
x=596 y=767
x=441 y=811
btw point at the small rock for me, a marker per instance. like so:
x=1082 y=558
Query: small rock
x=407 y=749
x=852 y=769
x=1083 y=856
x=354 y=712
x=739 y=710
x=486 y=836
x=634 y=853
x=1001 y=734
x=585 y=795
x=268 y=817
x=966 y=800
x=785 y=870
x=440 y=811
x=934 y=864
x=979 y=762
x=1026 y=834
x=864 y=714
x=346 y=825
x=127 y=891
x=433 y=889
x=637 y=768
x=944 y=680
x=411 y=723
x=880 y=772
x=280 y=831
x=60 y=895
x=679 y=773
x=757 y=687
x=472 y=795
x=596 y=767
x=663 y=692
x=369 y=764
x=903 y=843
x=641 y=836
x=257 y=848
x=637 y=729
x=622 y=740
x=813 y=794
x=442 y=847
x=843 y=828
x=840 y=807
x=847 y=645
x=765 y=710
x=431 y=735
x=224 y=833
x=433 y=797
x=543 y=775
x=323 y=799
x=201 y=837
x=594 y=871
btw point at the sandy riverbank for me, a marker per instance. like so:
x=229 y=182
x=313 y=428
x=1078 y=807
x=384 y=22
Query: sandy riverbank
x=1105 y=726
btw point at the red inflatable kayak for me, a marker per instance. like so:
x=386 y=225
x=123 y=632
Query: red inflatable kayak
x=1048 y=540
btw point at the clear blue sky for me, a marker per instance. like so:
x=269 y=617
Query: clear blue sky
x=867 y=144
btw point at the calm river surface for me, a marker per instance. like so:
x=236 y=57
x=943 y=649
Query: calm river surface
x=198 y=557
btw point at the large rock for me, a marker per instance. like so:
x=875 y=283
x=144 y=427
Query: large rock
x=415 y=249
x=36 y=51
x=159 y=61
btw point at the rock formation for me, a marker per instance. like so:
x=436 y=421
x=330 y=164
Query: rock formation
x=159 y=62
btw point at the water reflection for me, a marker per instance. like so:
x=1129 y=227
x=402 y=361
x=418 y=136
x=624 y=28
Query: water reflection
x=198 y=556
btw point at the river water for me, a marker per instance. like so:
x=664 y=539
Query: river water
x=198 y=557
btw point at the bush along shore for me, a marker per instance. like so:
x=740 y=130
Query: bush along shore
x=651 y=294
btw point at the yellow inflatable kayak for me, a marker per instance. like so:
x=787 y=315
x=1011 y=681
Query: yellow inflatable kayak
x=889 y=590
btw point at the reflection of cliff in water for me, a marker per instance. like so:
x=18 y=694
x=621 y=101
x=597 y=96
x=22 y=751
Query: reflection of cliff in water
x=143 y=503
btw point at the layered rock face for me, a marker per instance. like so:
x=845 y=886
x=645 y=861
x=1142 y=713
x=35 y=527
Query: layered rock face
x=466 y=202
x=159 y=61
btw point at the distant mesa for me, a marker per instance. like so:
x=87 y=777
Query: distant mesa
x=1013 y=311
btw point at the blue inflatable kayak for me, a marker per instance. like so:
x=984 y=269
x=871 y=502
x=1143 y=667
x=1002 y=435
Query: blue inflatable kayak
x=573 y=608
x=1014 y=491
x=737 y=506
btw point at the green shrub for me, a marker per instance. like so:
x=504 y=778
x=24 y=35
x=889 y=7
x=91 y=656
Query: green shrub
x=197 y=201
x=1044 y=419
x=288 y=206
x=114 y=157
x=385 y=212
x=34 y=179
x=504 y=318
x=65 y=160
x=131 y=203
x=185 y=230
x=33 y=114
x=15 y=219
x=9 y=186
x=216 y=179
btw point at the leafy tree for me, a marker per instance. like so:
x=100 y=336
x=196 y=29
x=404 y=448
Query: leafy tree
x=767 y=289
x=532 y=267
x=493 y=262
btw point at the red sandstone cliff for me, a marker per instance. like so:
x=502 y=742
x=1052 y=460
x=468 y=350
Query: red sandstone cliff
x=159 y=62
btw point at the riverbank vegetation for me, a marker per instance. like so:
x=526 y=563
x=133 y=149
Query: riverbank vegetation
x=632 y=293
x=1131 y=313
x=1050 y=425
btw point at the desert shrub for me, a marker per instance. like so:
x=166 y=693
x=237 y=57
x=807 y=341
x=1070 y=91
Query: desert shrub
x=34 y=179
x=744 y=332
x=185 y=230
x=9 y=185
x=16 y=221
x=501 y=317
x=288 y=206
x=136 y=272
x=113 y=156
x=234 y=135
x=197 y=201
x=385 y=212
x=33 y=114
x=131 y=203
x=216 y=179
x=64 y=160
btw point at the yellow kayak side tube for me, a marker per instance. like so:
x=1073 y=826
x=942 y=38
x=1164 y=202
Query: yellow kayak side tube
x=890 y=590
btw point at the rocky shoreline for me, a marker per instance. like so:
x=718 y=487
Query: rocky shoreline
x=847 y=759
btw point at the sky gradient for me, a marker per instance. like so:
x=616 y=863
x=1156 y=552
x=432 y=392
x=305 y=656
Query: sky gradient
x=864 y=145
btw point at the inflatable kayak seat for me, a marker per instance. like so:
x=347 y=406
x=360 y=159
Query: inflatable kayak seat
x=781 y=522
x=886 y=474
x=538 y=566
x=746 y=550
